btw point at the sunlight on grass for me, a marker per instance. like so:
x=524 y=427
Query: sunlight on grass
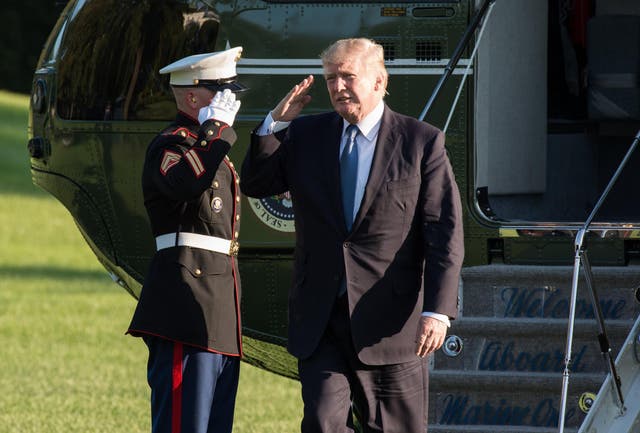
x=16 y=101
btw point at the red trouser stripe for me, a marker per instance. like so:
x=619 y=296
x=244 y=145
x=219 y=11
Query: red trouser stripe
x=176 y=390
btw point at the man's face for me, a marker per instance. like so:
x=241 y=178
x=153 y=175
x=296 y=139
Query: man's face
x=353 y=88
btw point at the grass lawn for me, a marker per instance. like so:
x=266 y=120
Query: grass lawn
x=66 y=365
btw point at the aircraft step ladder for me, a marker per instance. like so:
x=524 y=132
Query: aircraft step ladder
x=500 y=370
x=605 y=415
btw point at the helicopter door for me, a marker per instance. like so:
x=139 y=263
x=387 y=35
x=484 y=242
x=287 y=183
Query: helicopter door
x=511 y=101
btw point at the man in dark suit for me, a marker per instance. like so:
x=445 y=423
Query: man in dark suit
x=379 y=244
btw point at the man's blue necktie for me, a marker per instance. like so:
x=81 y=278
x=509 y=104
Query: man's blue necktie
x=349 y=173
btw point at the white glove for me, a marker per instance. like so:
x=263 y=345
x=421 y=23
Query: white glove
x=223 y=107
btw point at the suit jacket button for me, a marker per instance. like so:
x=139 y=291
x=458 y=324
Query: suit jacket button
x=197 y=272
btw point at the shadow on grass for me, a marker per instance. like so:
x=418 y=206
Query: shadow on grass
x=56 y=273
x=19 y=187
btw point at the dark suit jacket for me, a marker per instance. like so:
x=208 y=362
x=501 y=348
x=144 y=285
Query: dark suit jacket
x=404 y=253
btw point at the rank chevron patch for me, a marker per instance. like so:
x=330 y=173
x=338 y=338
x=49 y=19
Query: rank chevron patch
x=169 y=159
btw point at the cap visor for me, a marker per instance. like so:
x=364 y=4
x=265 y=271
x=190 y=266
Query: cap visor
x=234 y=86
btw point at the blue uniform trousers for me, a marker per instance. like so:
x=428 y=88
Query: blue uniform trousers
x=192 y=390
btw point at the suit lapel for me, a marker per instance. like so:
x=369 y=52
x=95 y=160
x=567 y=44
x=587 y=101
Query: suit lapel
x=331 y=161
x=386 y=146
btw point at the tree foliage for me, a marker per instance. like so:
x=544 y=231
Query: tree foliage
x=25 y=28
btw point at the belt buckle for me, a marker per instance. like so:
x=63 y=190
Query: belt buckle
x=234 y=247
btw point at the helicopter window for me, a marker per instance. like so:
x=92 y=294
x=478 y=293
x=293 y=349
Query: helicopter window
x=108 y=61
x=55 y=48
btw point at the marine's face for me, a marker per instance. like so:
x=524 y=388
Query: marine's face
x=203 y=96
x=353 y=88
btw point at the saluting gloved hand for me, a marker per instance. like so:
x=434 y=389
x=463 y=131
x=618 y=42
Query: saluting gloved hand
x=223 y=107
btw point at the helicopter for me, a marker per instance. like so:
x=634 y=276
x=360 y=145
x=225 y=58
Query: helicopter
x=538 y=109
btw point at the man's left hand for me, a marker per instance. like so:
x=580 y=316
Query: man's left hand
x=430 y=335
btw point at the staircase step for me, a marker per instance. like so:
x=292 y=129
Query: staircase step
x=508 y=381
x=526 y=326
x=494 y=429
x=512 y=330
x=499 y=400
x=534 y=345
x=545 y=292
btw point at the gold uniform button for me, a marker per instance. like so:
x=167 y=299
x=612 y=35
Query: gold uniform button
x=237 y=181
x=230 y=164
x=216 y=184
x=184 y=134
x=237 y=217
x=209 y=132
x=236 y=234
x=197 y=271
x=203 y=143
x=238 y=199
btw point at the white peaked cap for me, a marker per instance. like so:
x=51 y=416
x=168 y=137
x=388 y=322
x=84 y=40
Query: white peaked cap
x=214 y=70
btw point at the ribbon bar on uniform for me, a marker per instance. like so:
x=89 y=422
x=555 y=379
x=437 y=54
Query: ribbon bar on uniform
x=195 y=240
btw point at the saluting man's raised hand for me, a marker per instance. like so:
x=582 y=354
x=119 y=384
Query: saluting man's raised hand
x=293 y=103
x=223 y=107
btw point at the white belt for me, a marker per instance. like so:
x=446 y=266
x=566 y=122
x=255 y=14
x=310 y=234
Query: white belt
x=195 y=240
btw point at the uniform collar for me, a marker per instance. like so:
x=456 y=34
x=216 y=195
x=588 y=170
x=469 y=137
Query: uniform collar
x=183 y=118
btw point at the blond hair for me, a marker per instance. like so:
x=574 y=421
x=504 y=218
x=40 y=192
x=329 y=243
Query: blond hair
x=366 y=50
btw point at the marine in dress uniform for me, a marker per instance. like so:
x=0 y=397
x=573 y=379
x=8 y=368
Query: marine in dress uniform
x=189 y=309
